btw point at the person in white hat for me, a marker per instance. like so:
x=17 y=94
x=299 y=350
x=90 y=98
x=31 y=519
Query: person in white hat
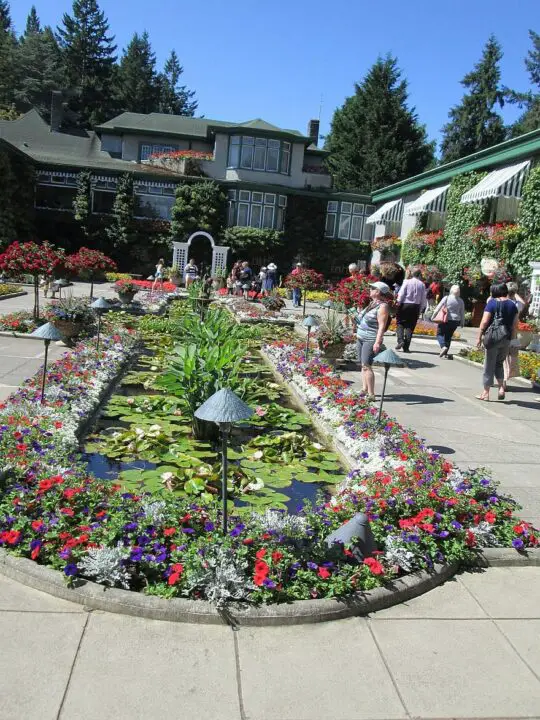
x=371 y=324
x=271 y=277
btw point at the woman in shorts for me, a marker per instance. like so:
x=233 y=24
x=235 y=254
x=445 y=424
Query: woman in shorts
x=371 y=324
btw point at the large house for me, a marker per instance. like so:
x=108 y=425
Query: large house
x=259 y=165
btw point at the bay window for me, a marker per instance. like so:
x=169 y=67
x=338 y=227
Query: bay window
x=251 y=208
x=261 y=154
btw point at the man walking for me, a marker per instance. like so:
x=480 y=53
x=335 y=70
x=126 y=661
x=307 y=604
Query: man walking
x=411 y=301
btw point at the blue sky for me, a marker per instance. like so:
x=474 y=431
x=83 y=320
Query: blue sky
x=247 y=58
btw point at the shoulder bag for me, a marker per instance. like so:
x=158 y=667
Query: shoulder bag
x=442 y=315
x=497 y=331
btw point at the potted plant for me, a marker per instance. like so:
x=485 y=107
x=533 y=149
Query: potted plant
x=333 y=336
x=175 y=276
x=526 y=333
x=126 y=290
x=70 y=315
x=273 y=303
x=219 y=278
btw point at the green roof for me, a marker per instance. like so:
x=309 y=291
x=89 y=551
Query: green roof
x=522 y=147
x=31 y=135
x=201 y=128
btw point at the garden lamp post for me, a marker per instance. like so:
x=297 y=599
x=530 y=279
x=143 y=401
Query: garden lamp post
x=309 y=322
x=224 y=408
x=46 y=333
x=388 y=359
x=100 y=306
x=329 y=305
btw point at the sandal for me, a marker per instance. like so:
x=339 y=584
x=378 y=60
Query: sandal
x=501 y=395
x=484 y=398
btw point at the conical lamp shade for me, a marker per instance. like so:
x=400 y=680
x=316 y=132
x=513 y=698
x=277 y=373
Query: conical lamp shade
x=388 y=357
x=101 y=304
x=310 y=321
x=224 y=406
x=46 y=332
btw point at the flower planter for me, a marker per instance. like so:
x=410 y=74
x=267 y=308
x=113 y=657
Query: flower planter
x=478 y=311
x=68 y=329
x=176 y=280
x=218 y=283
x=333 y=352
x=126 y=298
x=525 y=338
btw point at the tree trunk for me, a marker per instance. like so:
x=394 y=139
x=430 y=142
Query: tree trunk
x=91 y=287
x=36 y=297
x=305 y=298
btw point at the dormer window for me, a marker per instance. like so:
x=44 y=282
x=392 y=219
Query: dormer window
x=261 y=154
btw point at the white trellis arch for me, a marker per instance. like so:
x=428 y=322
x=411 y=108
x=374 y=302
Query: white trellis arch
x=180 y=253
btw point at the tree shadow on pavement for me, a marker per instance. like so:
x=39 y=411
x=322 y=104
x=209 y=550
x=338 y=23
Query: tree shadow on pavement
x=417 y=364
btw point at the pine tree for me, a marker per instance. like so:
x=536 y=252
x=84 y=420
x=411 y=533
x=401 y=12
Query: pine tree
x=375 y=138
x=137 y=83
x=175 y=99
x=8 y=68
x=88 y=58
x=33 y=25
x=529 y=101
x=474 y=125
x=5 y=17
x=40 y=66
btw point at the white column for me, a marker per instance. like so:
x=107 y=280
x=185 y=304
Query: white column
x=219 y=258
x=534 y=308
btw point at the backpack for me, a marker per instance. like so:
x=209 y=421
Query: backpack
x=497 y=331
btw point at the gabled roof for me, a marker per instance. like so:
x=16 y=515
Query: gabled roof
x=31 y=135
x=188 y=127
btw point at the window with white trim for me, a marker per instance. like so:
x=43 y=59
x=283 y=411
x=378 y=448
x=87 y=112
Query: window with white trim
x=345 y=220
x=261 y=154
x=252 y=208
x=147 y=149
x=153 y=200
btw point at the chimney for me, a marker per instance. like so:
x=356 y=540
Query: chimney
x=57 y=110
x=313 y=131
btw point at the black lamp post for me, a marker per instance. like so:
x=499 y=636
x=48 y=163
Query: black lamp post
x=224 y=408
x=309 y=322
x=389 y=359
x=100 y=306
x=47 y=333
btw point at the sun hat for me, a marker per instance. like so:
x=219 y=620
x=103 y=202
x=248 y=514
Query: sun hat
x=382 y=287
x=272 y=266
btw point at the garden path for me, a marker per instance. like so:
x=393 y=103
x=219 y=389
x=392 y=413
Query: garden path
x=468 y=649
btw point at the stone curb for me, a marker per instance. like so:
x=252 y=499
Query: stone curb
x=13 y=295
x=9 y=333
x=520 y=380
x=126 y=602
x=508 y=557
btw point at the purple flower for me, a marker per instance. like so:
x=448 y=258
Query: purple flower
x=209 y=526
x=312 y=565
x=517 y=543
x=136 y=554
x=71 y=569
x=456 y=525
x=237 y=530
x=130 y=526
x=188 y=531
x=444 y=534
x=65 y=554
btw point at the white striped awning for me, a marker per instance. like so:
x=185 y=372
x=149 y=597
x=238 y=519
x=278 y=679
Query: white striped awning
x=506 y=182
x=433 y=200
x=389 y=212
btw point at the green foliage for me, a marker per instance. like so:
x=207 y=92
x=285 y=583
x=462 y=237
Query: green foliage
x=528 y=248
x=456 y=252
x=198 y=206
x=88 y=58
x=119 y=231
x=175 y=99
x=8 y=47
x=530 y=100
x=253 y=242
x=474 y=125
x=137 y=84
x=81 y=204
x=304 y=232
x=375 y=138
x=7 y=215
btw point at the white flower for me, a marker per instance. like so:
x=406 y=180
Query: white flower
x=167 y=476
x=257 y=455
x=317 y=446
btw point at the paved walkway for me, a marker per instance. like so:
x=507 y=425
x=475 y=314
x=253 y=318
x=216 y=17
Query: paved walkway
x=469 y=649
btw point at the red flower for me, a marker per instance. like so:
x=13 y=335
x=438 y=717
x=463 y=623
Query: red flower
x=261 y=572
x=35 y=552
x=490 y=517
x=324 y=573
x=37 y=524
x=11 y=537
x=276 y=556
x=177 y=570
x=247 y=541
x=519 y=529
x=374 y=565
x=169 y=531
x=260 y=553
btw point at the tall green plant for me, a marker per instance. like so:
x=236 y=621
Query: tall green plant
x=81 y=203
x=456 y=252
x=198 y=206
x=528 y=248
x=120 y=228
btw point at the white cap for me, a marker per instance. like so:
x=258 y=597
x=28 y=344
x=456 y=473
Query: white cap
x=382 y=287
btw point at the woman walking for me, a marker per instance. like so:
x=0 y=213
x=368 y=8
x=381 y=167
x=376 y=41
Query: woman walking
x=271 y=278
x=497 y=329
x=511 y=364
x=371 y=324
x=159 y=274
x=449 y=314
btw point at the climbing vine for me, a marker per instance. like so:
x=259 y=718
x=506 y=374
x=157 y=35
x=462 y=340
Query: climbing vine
x=119 y=231
x=528 y=248
x=456 y=251
x=81 y=204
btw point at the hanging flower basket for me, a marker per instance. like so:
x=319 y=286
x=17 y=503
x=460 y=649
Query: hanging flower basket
x=333 y=352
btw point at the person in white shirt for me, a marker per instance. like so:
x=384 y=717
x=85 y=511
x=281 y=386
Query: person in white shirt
x=454 y=308
x=411 y=302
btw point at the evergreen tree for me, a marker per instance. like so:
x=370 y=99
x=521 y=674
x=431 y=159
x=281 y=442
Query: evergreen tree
x=375 y=138
x=529 y=101
x=137 y=83
x=8 y=69
x=33 y=25
x=198 y=206
x=474 y=125
x=88 y=58
x=40 y=66
x=175 y=99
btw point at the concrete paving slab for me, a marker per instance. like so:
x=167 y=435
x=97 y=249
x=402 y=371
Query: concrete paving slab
x=451 y=600
x=435 y=664
x=524 y=635
x=506 y=592
x=17 y=597
x=525 y=474
x=138 y=669
x=38 y=650
x=301 y=673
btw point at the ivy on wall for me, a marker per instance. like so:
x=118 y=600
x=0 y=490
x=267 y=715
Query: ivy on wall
x=528 y=247
x=119 y=231
x=455 y=251
x=16 y=198
x=81 y=203
x=199 y=205
x=421 y=248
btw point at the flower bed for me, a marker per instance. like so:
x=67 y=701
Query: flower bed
x=8 y=289
x=168 y=287
x=423 y=328
x=422 y=510
x=19 y=322
x=529 y=362
x=249 y=312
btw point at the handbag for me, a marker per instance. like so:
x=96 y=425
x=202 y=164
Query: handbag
x=442 y=315
x=497 y=331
